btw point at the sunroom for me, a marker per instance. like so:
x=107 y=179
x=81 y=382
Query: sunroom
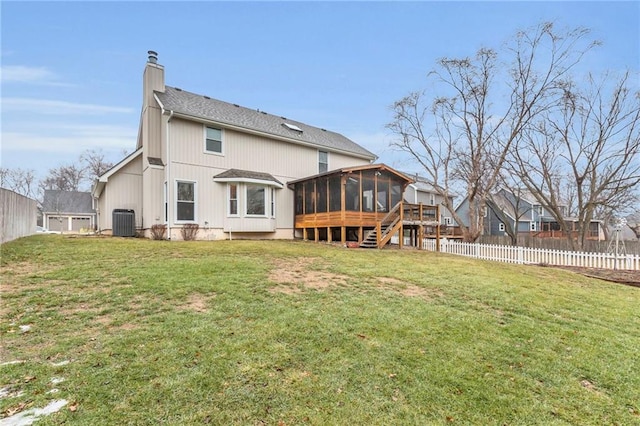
x=359 y=205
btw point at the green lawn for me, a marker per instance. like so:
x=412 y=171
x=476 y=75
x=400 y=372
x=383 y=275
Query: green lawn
x=288 y=333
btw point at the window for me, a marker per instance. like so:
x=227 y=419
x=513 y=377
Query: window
x=256 y=200
x=323 y=161
x=233 y=199
x=448 y=221
x=532 y=226
x=352 y=193
x=501 y=227
x=185 y=201
x=166 y=204
x=213 y=140
x=273 y=202
x=321 y=194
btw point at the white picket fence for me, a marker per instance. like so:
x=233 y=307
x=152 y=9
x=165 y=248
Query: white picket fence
x=524 y=255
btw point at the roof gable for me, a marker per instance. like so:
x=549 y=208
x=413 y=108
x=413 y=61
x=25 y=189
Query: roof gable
x=208 y=109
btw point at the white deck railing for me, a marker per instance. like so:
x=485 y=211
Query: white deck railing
x=524 y=255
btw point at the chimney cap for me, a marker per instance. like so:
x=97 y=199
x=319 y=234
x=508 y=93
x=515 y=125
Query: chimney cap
x=153 y=57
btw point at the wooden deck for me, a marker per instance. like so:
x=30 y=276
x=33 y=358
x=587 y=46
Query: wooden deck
x=370 y=230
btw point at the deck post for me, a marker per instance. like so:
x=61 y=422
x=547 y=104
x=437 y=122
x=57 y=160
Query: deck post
x=304 y=234
x=343 y=234
x=420 y=236
x=328 y=234
x=438 y=228
x=316 y=235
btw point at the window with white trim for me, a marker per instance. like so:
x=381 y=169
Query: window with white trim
x=213 y=140
x=501 y=227
x=323 y=161
x=256 y=200
x=532 y=226
x=233 y=199
x=448 y=221
x=185 y=201
x=273 y=202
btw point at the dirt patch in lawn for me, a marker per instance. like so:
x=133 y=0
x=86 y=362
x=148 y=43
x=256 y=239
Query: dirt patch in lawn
x=295 y=275
x=196 y=302
x=409 y=290
x=631 y=278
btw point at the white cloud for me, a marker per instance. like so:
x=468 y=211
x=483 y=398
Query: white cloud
x=31 y=75
x=51 y=107
x=72 y=139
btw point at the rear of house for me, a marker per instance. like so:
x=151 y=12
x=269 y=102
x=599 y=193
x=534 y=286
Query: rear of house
x=221 y=166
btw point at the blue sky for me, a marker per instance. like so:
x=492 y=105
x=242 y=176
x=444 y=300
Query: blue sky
x=72 y=71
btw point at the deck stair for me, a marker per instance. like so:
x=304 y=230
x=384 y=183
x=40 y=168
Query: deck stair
x=402 y=216
x=384 y=230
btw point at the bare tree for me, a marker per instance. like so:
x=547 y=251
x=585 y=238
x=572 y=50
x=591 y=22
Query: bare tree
x=65 y=178
x=94 y=163
x=462 y=133
x=19 y=180
x=591 y=143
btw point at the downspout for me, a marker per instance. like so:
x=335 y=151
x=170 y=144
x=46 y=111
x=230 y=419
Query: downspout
x=168 y=175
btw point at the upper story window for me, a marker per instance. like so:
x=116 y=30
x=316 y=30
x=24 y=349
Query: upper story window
x=213 y=140
x=185 y=201
x=323 y=161
x=501 y=227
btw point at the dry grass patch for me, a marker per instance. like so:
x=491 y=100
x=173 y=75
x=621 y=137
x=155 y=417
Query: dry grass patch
x=196 y=302
x=408 y=290
x=296 y=275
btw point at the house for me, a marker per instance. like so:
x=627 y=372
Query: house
x=68 y=211
x=518 y=212
x=219 y=165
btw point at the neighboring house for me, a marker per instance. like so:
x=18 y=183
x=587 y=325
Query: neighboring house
x=525 y=215
x=423 y=191
x=216 y=164
x=68 y=211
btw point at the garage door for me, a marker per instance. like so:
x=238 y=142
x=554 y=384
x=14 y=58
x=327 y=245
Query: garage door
x=78 y=223
x=57 y=223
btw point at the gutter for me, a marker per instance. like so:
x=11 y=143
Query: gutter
x=168 y=172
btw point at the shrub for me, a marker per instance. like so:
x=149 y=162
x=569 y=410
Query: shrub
x=189 y=231
x=158 y=231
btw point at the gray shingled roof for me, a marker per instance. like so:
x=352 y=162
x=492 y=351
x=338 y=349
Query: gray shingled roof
x=246 y=174
x=66 y=202
x=203 y=107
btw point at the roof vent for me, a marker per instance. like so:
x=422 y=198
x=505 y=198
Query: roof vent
x=236 y=105
x=206 y=97
x=263 y=112
x=292 y=127
x=153 y=57
x=178 y=89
